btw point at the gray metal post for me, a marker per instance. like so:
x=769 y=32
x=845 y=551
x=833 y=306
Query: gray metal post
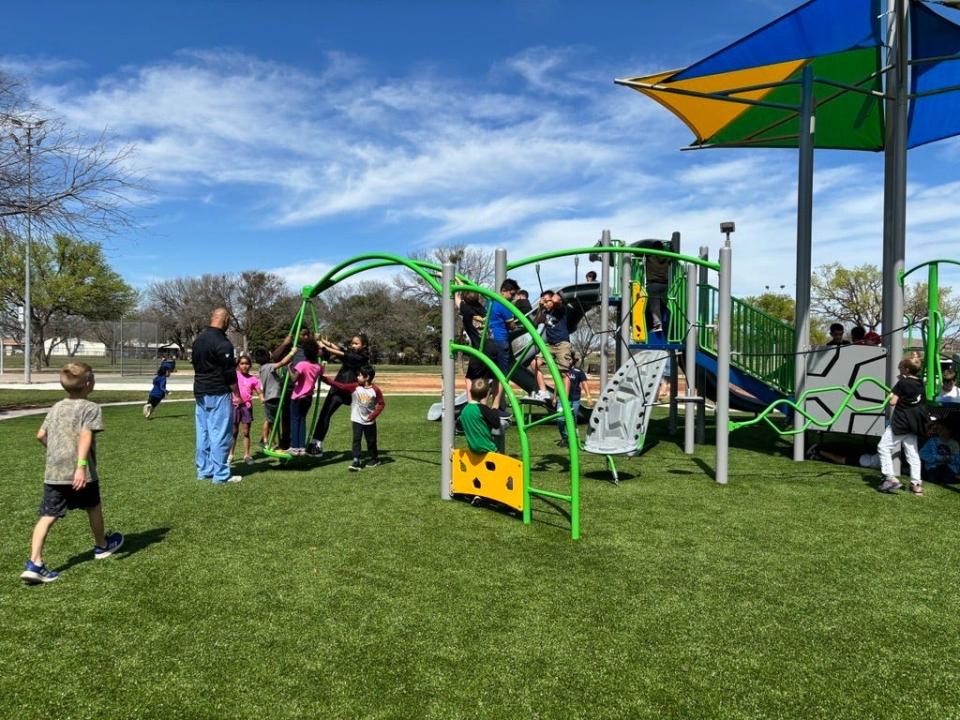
x=604 y=308
x=804 y=253
x=690 y=361
x=500 y=267
x=626 y=308
x=895 y=187
x=447 y=369
x=121 y=346
x=722 y=414
x=701 y=373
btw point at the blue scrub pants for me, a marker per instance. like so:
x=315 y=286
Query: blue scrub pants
x=214 y=421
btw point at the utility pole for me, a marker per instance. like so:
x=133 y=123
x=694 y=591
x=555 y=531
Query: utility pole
x=28 y=127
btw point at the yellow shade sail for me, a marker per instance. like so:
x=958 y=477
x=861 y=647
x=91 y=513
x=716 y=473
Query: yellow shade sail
x=705 y=116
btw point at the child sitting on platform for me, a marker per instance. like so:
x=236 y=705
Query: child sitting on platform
x=480 y=421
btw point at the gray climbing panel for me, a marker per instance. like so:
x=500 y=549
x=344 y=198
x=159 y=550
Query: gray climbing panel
x=618 y=424
x=842 y=367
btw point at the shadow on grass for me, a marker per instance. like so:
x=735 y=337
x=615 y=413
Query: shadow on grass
x=132 y=543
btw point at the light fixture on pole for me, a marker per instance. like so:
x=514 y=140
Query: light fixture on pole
x=28 y=126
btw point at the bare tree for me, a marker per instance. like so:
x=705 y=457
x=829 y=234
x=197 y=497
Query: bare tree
x=182 y=306
x=472 y=262
x=263 y=307
x=53 y=174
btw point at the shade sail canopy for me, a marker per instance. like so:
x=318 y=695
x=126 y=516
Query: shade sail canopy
x=845 y=118
x=933 y=117
x=818 y=27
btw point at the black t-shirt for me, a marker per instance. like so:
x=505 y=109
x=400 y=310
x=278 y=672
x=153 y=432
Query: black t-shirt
x=214 y=365
x=352 y=361
x=910 y=412
x=473 y=317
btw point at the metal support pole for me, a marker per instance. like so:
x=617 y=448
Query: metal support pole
x=27 y=310
x=723 y=365
x=673 y=419
x=500 y=268
x=626 y=310
x=604 y=309
x=804 y=252
x=895 y=187
x=121 y=346
x=690 y=361
x=448 y=421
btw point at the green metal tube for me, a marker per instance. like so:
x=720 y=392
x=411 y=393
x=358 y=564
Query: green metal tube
x=931 y=355
x=515 y=405
x=623 y=250
x=560 y=393
x=294 y=336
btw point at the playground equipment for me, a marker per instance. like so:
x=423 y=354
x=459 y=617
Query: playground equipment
x=702 y=322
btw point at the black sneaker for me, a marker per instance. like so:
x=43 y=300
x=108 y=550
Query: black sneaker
x=355 y=466
x=375 y=462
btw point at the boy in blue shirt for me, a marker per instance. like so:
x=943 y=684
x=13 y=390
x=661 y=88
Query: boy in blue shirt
x=158 y=392
x=502 y=322
x=578 y=388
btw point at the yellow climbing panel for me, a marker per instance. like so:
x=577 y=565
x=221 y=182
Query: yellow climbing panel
x=488 y=475
x=638 y=303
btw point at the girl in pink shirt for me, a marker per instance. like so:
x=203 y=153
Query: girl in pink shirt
x=304 y=374
x=248 y=385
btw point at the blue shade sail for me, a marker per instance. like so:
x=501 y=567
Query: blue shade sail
x=818 y=27
x=937 y=116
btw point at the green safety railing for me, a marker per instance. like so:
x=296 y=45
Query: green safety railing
x=849 y=393
x=760 y=344
x=935 y=326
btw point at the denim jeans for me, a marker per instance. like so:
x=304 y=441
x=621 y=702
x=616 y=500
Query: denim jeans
x=299 y=409
x=561 y=424
x=214 y=422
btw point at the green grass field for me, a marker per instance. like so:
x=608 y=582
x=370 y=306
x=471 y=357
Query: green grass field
x=308 y=592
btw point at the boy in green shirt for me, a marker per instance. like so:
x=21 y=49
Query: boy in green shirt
x=479 y=421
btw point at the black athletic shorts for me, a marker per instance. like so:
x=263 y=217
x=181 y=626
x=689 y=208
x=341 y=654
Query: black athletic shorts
x=270 y=409
x=58 y=499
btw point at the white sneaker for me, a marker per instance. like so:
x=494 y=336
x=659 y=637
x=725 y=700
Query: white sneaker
x=147 y=409
x=235 y=478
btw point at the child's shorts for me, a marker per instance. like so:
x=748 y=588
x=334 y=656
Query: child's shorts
x=59 y=499
x=270 y=409
x=242 y=414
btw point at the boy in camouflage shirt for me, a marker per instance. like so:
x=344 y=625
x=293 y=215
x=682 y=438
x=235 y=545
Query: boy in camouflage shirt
x=70 y=479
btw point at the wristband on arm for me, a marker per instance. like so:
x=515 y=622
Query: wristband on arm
x=82 y=463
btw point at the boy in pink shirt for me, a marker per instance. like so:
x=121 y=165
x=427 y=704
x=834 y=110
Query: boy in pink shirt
x=248 y=385
x=304 y=374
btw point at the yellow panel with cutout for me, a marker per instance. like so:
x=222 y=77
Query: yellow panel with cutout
x=638 y=304
x=488 y=475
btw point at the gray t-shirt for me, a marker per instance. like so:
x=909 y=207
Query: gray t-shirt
x=63 y=424
x=269 y=381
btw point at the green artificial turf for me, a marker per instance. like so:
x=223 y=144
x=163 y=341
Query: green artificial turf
x=797 y=591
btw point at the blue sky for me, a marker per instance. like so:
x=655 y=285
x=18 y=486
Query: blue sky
x=289 y=136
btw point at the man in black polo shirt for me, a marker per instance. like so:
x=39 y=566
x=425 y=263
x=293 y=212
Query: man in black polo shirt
x=214 y=387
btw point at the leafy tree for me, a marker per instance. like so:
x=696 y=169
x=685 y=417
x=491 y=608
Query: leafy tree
x=71 y=279
x=855 y=297
x=851 y=296
x=262 y=308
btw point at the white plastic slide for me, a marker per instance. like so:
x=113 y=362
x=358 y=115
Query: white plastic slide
x=618 y=424
x=436 y=410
